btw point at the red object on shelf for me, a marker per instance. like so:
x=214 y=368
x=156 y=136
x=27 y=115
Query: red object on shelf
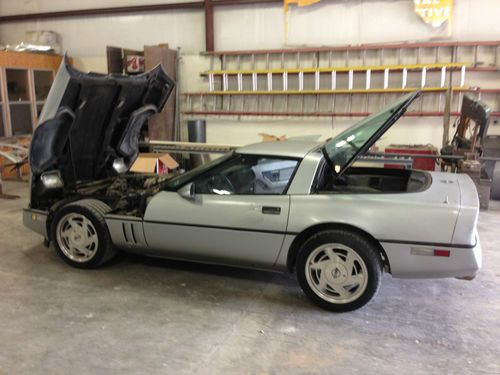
x=426 y=164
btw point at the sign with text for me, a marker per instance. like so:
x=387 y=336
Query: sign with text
x=434 y=12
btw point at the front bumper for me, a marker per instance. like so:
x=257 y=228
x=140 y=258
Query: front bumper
x=36 y=220
x=405 y=262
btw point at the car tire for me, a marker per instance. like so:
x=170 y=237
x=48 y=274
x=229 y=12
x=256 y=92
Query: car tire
x=80 y=234
x=339 y=270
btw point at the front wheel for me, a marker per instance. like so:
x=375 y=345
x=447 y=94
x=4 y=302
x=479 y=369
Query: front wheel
x=80 y=234
x=339 y=270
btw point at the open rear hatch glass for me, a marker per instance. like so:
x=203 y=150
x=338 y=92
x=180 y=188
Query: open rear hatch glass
x=344 y=149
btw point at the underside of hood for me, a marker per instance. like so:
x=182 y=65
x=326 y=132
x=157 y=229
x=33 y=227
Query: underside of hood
x=90 y=125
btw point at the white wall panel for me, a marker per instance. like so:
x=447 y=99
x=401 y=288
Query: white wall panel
x=89 y=36
x=256 y=26
x=379 y=21
x=250 y=27
x=8 y=7
x=331 y=22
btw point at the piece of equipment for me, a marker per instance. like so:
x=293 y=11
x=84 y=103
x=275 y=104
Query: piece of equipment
x=491 y=150
x=468 y=142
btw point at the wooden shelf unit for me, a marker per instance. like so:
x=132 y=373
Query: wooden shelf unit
x=25 y=80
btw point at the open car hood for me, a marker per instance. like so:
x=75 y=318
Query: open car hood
x=90 y=124
x=344 y=149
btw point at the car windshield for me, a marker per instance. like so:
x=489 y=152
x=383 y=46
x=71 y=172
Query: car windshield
x=343 y=149
x=177 y=182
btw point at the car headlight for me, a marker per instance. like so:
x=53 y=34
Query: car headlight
x=52 y=180
x=119 y=166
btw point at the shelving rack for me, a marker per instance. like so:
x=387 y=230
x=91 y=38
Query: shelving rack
x=343 y=81
x=25 y=80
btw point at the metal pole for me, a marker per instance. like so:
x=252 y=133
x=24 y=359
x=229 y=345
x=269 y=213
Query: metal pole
x=209 y=26
x=447 y=104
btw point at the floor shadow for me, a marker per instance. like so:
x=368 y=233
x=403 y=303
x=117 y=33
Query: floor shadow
x=168 y=277
x=204 y=268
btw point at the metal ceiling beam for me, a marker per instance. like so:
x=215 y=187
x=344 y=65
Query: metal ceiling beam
x=245 y=2
x=95 y=12
x=101 y=11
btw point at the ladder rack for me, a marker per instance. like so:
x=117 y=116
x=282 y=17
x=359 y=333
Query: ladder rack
x=331 y=73
x=342 y=81
x=418 y=52
x=243 y=104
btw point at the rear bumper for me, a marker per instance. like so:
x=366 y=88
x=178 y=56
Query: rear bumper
x=417 y=261
x=36 y=220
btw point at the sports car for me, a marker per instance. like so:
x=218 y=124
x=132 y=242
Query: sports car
x=304 y=207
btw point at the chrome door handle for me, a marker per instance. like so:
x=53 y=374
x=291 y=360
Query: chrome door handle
x=271 y=210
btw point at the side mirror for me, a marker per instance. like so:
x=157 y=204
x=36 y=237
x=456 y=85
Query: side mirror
x=187 y=191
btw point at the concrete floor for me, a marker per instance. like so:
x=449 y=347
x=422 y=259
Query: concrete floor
x=145 y=316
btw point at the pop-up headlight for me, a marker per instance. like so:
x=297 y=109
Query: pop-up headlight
x=119 y=166
x=52 y=180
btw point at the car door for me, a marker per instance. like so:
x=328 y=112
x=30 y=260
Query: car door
x=237 y=215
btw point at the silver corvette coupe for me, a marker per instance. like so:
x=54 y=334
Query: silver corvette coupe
x=280 y=206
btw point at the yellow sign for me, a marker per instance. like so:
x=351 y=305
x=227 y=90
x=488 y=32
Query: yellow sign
x=434 y=12
x=300 y=3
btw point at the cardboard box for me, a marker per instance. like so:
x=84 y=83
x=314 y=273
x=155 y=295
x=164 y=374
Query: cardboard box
x=154 y=163
x=272 y=138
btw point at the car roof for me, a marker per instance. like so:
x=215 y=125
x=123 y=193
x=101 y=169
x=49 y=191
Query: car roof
x=295 y=149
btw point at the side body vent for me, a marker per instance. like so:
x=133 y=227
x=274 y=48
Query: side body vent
x=126 y=231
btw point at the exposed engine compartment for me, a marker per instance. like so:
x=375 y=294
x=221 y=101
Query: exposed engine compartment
x=126 y=194
x=87 y=138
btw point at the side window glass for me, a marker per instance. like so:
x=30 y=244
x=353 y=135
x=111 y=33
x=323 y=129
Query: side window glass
x=247 y=175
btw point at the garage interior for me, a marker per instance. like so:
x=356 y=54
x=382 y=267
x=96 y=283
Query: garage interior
x=251 y=71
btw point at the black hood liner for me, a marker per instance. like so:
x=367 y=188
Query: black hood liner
x=91 y=120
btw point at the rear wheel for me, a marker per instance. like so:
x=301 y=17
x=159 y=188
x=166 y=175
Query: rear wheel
x=339 y=270
x=80 y=234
